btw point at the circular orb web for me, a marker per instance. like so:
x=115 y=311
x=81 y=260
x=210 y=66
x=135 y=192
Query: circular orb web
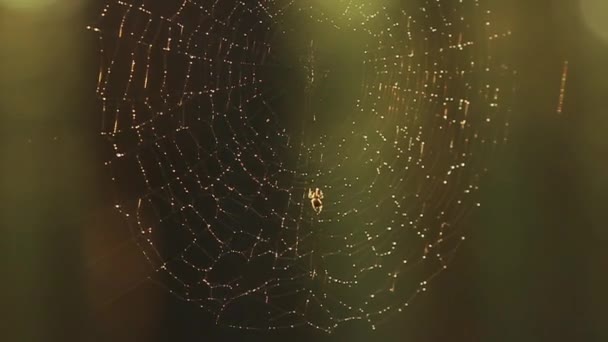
x=223 y=115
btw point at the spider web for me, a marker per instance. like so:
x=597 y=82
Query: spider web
x=221 y=115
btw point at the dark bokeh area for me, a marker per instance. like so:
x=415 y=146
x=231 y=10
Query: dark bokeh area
x=534 y=266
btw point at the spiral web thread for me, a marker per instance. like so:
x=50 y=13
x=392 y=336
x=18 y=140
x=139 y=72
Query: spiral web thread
x=221 y=115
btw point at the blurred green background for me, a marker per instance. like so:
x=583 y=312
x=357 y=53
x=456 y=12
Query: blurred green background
x=534 y=268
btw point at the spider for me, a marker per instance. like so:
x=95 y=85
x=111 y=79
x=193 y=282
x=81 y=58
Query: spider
x=315 y=199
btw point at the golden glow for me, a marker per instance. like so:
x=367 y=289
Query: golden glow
x=595 y=15
x=26 y=4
